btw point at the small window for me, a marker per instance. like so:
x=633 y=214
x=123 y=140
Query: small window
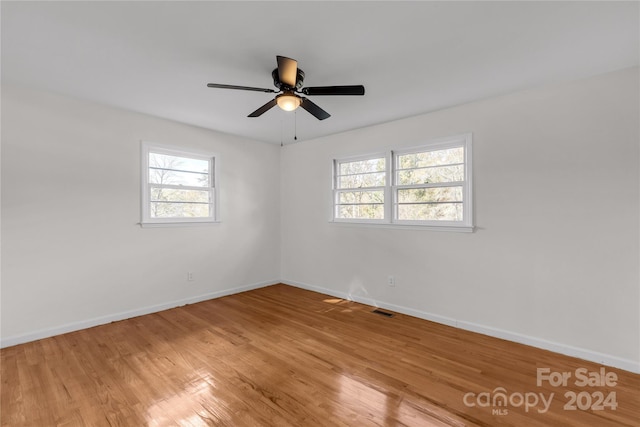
x=428 y=185
x=177 y=186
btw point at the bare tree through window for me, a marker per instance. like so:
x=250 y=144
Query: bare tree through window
x=179 y=186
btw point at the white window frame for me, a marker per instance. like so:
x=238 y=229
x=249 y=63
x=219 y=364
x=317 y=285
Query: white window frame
x=213 y=188
x=391 y=187
x=387 y=193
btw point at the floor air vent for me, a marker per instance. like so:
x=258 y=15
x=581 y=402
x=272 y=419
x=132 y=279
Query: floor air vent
x=382 y=313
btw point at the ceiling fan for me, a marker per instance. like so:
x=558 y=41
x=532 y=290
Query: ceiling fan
x=288 y=78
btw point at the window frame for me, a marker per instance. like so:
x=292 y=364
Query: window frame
x=391 y=187
x=336 y=191
x=213 y=188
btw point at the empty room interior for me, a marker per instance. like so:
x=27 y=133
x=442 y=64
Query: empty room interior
x=308 y=213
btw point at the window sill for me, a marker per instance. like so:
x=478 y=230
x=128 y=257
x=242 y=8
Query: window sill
x=396 y=226
x=177 y=224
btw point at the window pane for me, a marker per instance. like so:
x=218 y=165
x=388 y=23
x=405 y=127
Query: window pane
x=362 y=166
x=180 y=163
x=174 y=170
x=370 y=211
x=361 y=181
x=173 y=177
x=431 y=175
x=177 y=195
x=437 y=194
x=355 y=197
x=433 y=212
x=431 y=158
x=179 y=210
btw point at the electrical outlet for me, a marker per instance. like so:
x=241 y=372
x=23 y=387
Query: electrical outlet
x=391 y=281
x=190 y=276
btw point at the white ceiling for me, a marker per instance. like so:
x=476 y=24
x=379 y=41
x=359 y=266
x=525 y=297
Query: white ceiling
x=412 y=57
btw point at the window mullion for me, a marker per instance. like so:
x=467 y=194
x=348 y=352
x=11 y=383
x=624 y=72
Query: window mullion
x=430 y=167
x=431 y=185
x=349 y=190
x=389 y=191
x=179 y=187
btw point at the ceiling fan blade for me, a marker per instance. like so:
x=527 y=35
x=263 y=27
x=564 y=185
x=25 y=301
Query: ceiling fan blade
x=334 y=90
x=255 y=89
x=316 y=111
x=287 y=70
x=266 y=107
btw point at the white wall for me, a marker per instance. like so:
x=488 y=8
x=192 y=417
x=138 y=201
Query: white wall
x=554 y=260
x=72 y=252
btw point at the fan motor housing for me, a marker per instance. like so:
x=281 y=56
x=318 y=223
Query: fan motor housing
x=277 y=83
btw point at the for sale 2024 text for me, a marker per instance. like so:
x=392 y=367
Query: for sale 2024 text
x=582 y=377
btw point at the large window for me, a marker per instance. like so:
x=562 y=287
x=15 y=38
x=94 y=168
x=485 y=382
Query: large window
x=428 y=185
x=177 y=186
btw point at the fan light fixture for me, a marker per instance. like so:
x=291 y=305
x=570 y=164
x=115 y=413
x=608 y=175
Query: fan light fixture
x=288 y=101
x=288 y=80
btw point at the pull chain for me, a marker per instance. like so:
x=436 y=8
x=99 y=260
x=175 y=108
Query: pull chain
x=295 y=125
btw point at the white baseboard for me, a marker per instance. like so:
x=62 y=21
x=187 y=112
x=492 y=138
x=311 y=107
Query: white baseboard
x=96 y=321
x=568 y=350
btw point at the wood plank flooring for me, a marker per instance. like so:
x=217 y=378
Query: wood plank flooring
x=282 y=356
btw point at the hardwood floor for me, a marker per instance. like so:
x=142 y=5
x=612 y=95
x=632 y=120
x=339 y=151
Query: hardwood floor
x=282 y=356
